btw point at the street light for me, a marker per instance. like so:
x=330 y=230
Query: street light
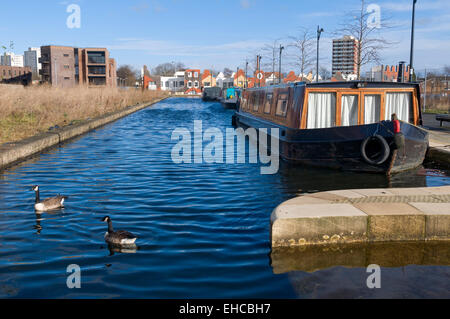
x=246 y=76
x=319 y=31
x=411 y=54
x=279 y=74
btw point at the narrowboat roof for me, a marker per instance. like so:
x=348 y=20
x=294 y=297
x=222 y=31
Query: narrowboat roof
x=343 y=85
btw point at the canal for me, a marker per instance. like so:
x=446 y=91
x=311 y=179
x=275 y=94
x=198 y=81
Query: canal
x=203 y=228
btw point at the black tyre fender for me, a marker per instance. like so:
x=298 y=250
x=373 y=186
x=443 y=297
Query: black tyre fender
x=384 y=145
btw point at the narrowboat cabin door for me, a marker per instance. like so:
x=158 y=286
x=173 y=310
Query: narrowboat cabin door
x=343 y=125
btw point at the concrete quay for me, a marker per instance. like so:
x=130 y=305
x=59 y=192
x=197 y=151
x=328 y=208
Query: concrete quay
x=12 y=153
x=363 y=216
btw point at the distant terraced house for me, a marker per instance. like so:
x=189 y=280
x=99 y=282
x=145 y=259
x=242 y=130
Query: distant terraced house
x=192 y=80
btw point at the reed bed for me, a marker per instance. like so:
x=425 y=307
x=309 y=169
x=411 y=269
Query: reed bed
x=26 y=111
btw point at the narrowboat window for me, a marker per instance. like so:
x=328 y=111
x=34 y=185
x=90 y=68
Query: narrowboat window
x=401 y=104
x=256 y=103
x=244 y=102
x=349 y=110
x=321 y=110
x=372 y=108
x=268 y=103
x=251 y=101
x=282 y=105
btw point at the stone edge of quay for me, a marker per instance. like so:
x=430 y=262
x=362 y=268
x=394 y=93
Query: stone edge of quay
x=11 y=155
x=411 y=221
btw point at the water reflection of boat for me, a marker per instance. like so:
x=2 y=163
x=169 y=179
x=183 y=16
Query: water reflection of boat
x=314 y=258
x=341 y=125
x=299 y=180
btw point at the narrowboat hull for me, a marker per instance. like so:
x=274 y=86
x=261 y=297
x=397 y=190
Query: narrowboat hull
x=212 y=94
x=342 y=147
x=230 y=103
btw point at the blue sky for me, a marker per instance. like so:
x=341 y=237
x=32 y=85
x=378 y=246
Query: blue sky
x=217 y=33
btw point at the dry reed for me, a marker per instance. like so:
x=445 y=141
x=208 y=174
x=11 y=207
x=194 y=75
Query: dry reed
x=27 y=111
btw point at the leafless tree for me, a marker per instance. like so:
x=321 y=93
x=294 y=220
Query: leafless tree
x=300 y=50
x=370 y=42
x=270 y=55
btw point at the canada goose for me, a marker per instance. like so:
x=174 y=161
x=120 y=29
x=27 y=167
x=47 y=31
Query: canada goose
x=120 y=237
x=49 y=203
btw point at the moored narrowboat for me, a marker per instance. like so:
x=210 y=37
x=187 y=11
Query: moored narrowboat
x=212 y=94
x=355 y=126
x=231 y=98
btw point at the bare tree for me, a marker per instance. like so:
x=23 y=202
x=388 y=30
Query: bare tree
x=300 y=51
x=270 y=55
x=370 y=42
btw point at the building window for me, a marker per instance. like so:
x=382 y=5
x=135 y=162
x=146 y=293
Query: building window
x=97 y=81
x=96 y=57
x=66 y=55
x=190 y=74
x=66 y=67
x=96 y=69
x=189 y=84
x=196 y=75
x=66 y=78
x=196 y=84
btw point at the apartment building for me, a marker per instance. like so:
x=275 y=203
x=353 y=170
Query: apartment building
x=173 y=83
x=31 y=59
x=67 y=66
x=345 y=55
x=15 y=75
x=12 y=59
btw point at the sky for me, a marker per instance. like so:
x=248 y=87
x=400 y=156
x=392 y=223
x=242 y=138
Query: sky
x=219 y=33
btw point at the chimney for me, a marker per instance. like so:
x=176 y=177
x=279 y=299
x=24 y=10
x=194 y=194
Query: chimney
x=401 y=72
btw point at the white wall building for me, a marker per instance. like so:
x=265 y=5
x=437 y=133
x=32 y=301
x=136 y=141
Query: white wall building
x=173 y=83
x=31 y=59
x=11 y=59
x=224 y=82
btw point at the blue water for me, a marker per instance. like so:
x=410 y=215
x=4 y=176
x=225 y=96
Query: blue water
x=203 y=228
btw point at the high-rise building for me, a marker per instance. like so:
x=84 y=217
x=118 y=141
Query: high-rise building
x=11 y=59
x=68 y=66
x=345 y=55
x=31 y=59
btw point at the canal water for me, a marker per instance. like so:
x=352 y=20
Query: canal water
x=203 y=228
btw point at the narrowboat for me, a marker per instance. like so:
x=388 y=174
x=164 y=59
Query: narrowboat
x=341 y=125
x=231 y=98
x=212 y=94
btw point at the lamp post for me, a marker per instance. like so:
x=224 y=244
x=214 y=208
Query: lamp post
x=411 y=54
x=279 y=74
x=246 y=76
x=258 y=67
x=319 y=31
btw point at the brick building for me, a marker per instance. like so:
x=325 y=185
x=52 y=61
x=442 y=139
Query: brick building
x=67 y=66
x=15 y=75
x=192 y=81
x=387 y=73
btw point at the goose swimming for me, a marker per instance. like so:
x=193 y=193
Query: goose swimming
x=52 y=203
x=120 y=237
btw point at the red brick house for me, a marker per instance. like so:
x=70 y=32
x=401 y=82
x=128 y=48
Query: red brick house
x=192 y=81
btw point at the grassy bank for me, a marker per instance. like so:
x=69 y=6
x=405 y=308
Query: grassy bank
x=25 y=112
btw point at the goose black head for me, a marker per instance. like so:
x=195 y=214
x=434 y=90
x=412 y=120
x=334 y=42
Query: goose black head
x=35 y=188
x=106 y=219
